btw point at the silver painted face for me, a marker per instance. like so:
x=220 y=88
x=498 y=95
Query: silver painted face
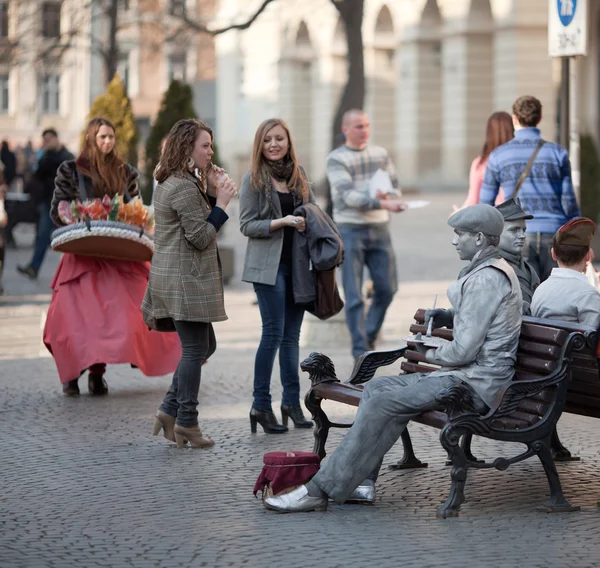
x=512 y=239
x=467 y=244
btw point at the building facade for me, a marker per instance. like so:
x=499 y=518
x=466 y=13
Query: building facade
x=435 y=71
x=52 y=65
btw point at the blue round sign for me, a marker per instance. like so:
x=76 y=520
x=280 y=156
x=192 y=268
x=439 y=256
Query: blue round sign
x=566 y=11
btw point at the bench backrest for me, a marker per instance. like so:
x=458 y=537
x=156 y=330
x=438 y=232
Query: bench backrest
x=539 y=355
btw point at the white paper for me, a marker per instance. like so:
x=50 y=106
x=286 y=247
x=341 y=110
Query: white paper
x=417 y=204
x=381 y=181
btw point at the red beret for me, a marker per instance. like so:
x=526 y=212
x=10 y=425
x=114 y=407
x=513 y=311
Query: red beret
x=576 y=232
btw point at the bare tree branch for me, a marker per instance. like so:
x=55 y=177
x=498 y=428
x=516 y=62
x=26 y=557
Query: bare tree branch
x=204 y=29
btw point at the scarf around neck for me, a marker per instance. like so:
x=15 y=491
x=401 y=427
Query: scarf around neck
x=281 y=170
x=482 y=256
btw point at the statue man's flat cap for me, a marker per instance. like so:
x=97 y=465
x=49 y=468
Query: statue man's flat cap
x=576 y=232
x=478 y=219
x=511 y=210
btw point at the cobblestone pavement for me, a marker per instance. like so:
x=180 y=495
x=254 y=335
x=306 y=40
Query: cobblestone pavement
x=83 y=483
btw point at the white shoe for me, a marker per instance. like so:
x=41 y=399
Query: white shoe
x=296 y=501
x=364 y=493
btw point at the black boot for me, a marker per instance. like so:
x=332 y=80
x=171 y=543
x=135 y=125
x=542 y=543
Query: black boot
x=97 y=385
x=71 y=388
x=297 y=416
x=267 y=420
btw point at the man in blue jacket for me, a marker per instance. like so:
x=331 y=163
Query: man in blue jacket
x=546 y=192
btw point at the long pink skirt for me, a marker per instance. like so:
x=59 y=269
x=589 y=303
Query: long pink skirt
x=95 y=317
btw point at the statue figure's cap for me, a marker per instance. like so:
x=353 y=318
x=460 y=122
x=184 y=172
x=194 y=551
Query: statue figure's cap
x=576 y=232
x=478 y=219
x=511 y=210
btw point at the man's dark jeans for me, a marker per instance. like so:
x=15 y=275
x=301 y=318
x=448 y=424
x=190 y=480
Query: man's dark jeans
x=369 y=246
x=281 y=323
x=537 y=253
x=42 y=241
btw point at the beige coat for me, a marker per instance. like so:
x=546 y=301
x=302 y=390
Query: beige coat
x=185 y=279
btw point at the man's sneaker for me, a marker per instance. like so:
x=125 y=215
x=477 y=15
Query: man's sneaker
x=364 y=493
x=28 y=271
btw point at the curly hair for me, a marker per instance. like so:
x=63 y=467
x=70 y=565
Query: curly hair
x=528 y=110
x=178 y=148
x=108 y=172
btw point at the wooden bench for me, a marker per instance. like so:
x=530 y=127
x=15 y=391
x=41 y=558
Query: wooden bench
x=525 y=412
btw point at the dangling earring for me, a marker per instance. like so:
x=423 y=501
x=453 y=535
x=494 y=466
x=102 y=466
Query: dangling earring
x=190 y=163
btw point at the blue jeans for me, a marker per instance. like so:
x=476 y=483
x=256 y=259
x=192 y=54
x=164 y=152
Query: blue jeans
x=537 y=253
x=281 y=323
x=369 y=246
x=42 y=241
x=198 y=343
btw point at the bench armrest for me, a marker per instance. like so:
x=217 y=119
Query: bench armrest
x=368 y=363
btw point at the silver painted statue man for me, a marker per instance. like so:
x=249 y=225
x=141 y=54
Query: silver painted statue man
x=486 y=319
x=512 y=242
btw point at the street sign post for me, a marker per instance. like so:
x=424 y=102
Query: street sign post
x=567 y=28
x=567 y=37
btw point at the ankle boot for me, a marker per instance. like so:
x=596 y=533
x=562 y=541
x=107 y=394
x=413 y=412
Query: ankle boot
x=267 y=420
x=71 y=388
x=297 y=416
x=97 y=385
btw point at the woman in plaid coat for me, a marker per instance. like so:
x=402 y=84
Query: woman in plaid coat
x=185 y=289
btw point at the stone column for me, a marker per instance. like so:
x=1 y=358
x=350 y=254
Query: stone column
x=521 y=62
x=419 y=108
x=467 y=57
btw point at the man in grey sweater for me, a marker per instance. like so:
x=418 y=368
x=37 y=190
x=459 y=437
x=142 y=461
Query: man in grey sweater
x=486 y=320
x=362 y=217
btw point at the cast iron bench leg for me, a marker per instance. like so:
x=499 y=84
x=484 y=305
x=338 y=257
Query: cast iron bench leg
x=409 y=461
x=557 y=502
x=322 y=423
x=466 y=446
x=559 y=452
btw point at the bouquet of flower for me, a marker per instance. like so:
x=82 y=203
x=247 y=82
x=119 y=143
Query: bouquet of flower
x=107 y=209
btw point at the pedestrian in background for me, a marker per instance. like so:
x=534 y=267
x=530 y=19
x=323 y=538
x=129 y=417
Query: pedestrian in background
x=269 y=194
x=539 y=172
x=363 y=221
x=53 y=156
x=499 y=130
x=94 y=316
x=185 y=289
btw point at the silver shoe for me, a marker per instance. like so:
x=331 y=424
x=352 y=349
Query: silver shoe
x=296 y=501
x=364 y=493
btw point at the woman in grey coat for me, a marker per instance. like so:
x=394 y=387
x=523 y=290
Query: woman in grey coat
x=185 y=289
x=270 y=192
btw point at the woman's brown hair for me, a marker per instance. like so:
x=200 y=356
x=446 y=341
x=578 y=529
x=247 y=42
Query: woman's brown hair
x=108 y=171
x=298 y=181
x=500 y=130
x=178 y=148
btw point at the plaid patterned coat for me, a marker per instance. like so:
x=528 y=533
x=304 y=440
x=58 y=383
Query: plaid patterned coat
x=185 y=279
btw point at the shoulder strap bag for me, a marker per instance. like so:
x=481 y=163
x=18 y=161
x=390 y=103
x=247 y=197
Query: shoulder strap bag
x=527 y=169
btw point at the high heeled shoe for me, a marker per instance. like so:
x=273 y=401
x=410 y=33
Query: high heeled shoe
x=297 y=416
x=267 y=420
x=166 y=423
x=193 y=435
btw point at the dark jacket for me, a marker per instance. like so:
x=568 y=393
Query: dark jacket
x=66 y=186
x=46 y=172
x=318 y=249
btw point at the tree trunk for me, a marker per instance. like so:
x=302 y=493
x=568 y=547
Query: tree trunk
x=353 y=96
x=112 y=53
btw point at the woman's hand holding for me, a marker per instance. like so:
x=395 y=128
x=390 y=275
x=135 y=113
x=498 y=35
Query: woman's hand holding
x=298 y=223
x=214 y=175
x=226 y=191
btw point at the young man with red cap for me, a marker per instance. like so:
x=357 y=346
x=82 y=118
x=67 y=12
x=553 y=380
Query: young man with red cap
x=567 y=294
